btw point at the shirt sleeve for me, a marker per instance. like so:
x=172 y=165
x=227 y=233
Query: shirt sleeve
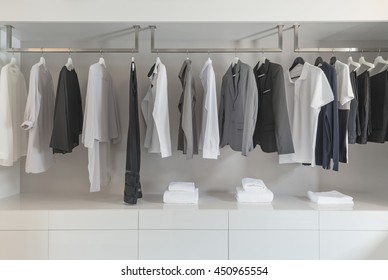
x=211 y=139
x=221 y=112
x=31 y=112
x=161 y=113
x=115 y=133
x=345 y=89
x=187 y=115
x=87 y=135
x=250 y=116
x=321 y=90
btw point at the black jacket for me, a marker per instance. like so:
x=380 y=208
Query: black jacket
x=272 y=131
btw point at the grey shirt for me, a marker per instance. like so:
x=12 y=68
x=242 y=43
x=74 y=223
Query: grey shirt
x=238 y=108
x=187 y=134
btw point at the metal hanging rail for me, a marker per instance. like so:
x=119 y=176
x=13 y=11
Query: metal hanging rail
x=218 y=50
x=10 y=49
x=332 y=50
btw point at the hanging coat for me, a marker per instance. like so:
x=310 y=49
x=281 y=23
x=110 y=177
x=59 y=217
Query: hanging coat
x=132 y=174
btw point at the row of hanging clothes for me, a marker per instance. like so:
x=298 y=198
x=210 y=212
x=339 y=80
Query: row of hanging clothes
x=351 y=109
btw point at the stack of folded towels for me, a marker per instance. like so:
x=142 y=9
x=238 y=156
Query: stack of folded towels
x=181 y=192
x=331 y=197
x=253 y=191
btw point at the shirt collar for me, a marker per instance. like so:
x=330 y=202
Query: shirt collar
x=303 y=74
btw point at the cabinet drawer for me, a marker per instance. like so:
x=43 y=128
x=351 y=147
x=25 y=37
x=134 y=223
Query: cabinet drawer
x=183 y=244
x=23 y=220
x=93 y=219
x=24 y=245
x=354 y=245
x=273 y=219
x=270 y=244
x=183 y=219
x=354 y=220
x=93 y=245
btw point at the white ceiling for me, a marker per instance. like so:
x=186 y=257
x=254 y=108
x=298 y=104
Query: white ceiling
x=52 y=32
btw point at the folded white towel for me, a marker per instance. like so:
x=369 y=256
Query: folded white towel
x=181 y=197
x=181 y=186
x=265 y=196
x=254 y=185
x=331 y=197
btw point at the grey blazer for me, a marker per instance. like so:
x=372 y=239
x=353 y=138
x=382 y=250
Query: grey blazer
x=238 y=108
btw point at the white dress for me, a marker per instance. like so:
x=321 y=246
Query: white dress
x=13 y=97
x=38 y=119
x=101 y=125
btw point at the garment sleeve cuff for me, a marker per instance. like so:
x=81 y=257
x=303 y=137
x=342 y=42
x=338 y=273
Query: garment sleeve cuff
x=27 y=125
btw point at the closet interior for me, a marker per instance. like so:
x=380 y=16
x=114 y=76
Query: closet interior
x=52 y=213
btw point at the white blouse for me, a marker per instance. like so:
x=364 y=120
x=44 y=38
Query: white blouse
x=13 y=97
x=38 y=119
x=101 y=125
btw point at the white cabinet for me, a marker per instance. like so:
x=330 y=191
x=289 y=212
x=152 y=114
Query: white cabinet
x=93 y=244
x=23 y=220
x=24 y=245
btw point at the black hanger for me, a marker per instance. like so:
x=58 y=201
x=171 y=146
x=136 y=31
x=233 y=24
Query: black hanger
x=298 y=60
x=333 y=59
x=318 y=61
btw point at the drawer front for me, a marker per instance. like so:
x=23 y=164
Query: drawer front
x=354 y=245
x=183 y=244
x=23 y=220
x=273 y=245
x=354 y=220
x=184 y=219
x=273 y=219
x=24 y=245
x=93 y=219
x=93 y=245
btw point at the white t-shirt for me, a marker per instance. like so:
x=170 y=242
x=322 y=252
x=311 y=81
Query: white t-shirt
x=209 y=141
x=344 y=87
x=38 y=119
x=13 y=98
x=310 y=92
x=101 y=125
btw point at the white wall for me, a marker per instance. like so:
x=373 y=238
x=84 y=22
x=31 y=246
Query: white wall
x=193 y=11
x=365 y=172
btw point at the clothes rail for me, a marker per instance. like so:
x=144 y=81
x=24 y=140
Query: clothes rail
x=219 y=50
x=332 y=50
x=10 y=49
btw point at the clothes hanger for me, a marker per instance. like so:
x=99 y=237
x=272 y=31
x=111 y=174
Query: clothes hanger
x=362 y=61
x=333 y=59
x=352 y=62
x=13 y=59
x=235 y=59
x=42 y=61
x=102 y=60
x=297 y=61
x=380 y=60
x=69 y=64
x=187 y=55
x=319 y=60
x=261 y=60
x=133 y=62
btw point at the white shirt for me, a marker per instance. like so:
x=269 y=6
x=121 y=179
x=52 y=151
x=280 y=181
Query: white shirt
x=344 y=87
x=38 y=119
x=13 y=98
x=156 y=114
x=101 y=125
x=209 y=141
x=310 y=92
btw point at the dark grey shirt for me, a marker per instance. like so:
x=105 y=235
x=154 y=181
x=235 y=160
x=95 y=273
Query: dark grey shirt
x=364 y=107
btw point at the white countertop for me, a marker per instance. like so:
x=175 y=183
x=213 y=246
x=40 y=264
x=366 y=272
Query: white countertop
x=207 y=201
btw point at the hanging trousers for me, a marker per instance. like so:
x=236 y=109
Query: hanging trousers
x=132 y=174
